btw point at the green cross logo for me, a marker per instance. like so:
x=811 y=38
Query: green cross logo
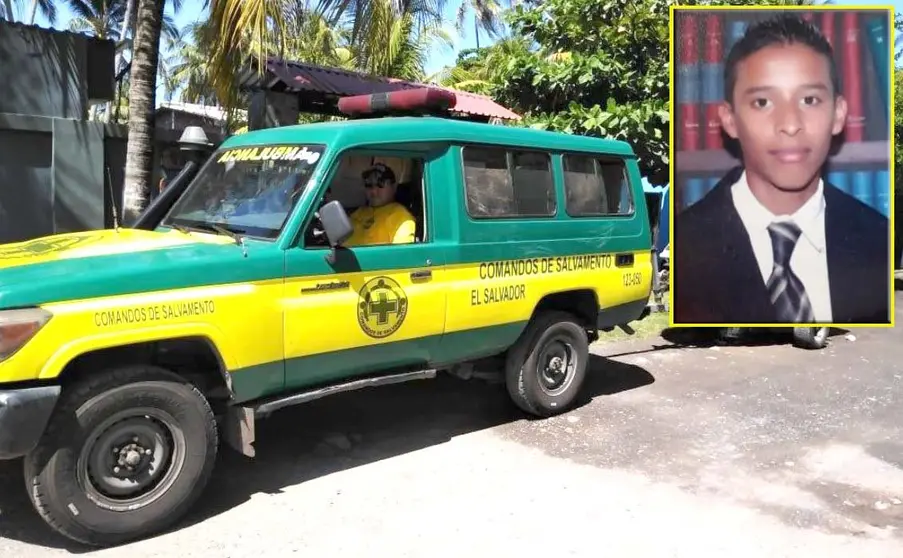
x=43 y=246
x=382 y=308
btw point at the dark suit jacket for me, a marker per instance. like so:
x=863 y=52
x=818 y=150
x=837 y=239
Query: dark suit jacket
x=716 y=278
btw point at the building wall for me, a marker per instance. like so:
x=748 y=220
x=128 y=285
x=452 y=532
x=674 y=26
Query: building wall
x=55 y=175
x=53 y=73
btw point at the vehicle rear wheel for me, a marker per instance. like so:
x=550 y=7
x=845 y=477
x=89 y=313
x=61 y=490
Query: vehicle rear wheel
x=126 y=454
x=545 y=369
x=731 y=334
x=812 y=338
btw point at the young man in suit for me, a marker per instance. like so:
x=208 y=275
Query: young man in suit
x=773 y=242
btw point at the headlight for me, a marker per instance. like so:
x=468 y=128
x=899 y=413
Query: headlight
x=18 y=326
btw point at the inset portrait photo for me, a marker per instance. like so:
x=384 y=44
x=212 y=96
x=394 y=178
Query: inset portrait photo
x=781 y=162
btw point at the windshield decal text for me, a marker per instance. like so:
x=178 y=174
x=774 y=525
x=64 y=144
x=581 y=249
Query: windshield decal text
x=271 y=153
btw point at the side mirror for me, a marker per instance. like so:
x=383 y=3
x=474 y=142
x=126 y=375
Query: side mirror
x=336 y=225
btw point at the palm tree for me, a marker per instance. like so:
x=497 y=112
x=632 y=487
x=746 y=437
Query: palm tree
x=47 y=8
x=395 y=43
x=476 y=69
x=99 y=18
x=142 y=100
x=106 y=19
x=189 y=66
x=485 y=17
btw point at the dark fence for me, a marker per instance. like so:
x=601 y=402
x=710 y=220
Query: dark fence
x=58 y=175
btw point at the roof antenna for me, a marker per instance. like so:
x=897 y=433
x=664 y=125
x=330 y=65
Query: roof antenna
x=112 y=200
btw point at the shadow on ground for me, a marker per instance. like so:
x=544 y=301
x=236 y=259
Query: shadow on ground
x=751 y=337
x=898 y=284
x=334 y=434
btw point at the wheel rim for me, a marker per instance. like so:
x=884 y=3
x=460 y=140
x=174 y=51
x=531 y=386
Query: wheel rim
x=556 y=365
x=820 y=334
x=131 y=459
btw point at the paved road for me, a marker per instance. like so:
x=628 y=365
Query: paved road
x=730 y=451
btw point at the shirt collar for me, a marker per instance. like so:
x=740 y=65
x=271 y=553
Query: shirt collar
x=808 y=217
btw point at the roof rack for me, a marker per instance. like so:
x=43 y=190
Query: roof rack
x=420 y=101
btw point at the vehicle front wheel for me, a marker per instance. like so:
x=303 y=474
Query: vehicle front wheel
x=126 y=454
x=545 y=369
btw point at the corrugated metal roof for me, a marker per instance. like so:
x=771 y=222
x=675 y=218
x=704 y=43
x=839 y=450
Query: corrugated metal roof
x=292 y=76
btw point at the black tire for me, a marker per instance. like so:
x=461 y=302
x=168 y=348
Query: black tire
x=731 y=333
x=525 y=366
x=157 y=418
x=812 y=338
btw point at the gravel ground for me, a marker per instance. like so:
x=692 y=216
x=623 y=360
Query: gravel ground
x=747 y=451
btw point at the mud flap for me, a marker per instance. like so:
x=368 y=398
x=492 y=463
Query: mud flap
x=238 y=429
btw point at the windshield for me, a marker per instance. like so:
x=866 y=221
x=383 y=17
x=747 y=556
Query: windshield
x=249 y=191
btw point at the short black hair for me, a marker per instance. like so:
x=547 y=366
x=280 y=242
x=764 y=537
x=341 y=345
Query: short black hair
x=381 y=171
x=783 y=29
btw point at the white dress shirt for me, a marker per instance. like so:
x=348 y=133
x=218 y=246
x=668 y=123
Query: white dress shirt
x=809 y=260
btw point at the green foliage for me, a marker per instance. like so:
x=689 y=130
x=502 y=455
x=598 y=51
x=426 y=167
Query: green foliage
x=568 y=82
x=898 y=112
x=898 y=131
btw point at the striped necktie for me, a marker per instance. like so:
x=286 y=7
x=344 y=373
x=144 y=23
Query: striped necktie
x=784 y=288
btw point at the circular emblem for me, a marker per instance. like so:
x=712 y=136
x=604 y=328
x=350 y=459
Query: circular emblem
x=43 y=246
x=382 y=308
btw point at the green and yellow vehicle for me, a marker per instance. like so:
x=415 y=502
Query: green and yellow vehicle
x=127 y=354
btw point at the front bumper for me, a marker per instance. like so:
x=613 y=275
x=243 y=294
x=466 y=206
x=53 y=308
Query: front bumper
x=23 y=417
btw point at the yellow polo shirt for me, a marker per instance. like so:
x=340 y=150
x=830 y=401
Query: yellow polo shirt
x=389 y=224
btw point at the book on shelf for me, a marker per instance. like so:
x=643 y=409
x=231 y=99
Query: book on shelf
x=688 y=90
x=852 y=78
x=712 y=81
x=871 y=187
x=876 y=32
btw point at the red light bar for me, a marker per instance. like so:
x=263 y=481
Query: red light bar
x=424 y=99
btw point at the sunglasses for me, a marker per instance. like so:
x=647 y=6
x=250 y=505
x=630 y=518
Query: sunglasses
x=373 y=183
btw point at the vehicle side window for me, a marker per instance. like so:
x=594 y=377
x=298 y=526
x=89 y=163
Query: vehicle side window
x=390 y=225
x=502 y=182
x=596 y=186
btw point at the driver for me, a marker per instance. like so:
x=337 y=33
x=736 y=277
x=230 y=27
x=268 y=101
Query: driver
x=383 y=220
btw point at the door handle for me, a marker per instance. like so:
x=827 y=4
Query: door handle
x=422 y=274
x=623 y=260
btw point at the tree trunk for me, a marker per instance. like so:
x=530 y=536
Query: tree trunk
x=117 y=60
x=126 y=21
x=142 y=99
x=8 y=9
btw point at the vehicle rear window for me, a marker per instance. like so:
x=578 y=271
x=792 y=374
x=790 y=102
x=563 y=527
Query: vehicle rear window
x=502 y=182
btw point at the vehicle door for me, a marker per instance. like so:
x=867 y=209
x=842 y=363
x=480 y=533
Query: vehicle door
x=375 y=307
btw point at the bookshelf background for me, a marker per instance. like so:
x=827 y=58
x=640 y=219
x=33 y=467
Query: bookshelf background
x=862 y=55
